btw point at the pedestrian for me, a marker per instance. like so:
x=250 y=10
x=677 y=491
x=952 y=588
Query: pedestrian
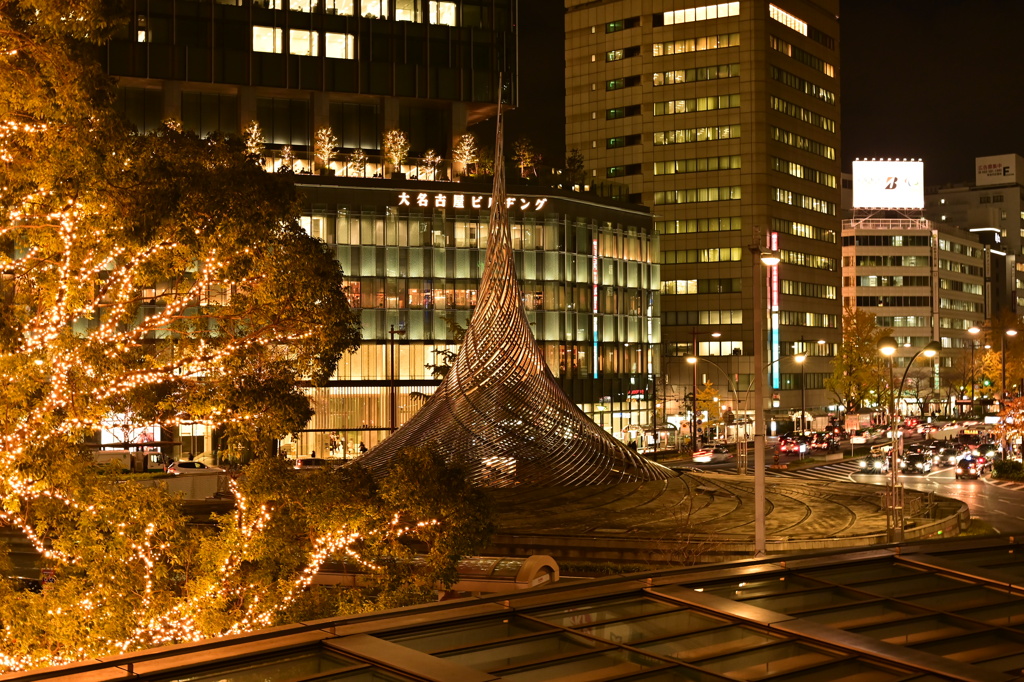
x=312 y=453
x=362 y=448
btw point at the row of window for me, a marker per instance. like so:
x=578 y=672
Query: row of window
x=696 y=44
x=804 y=230
x=887 y=240
x=957 y=247
x=965 y=287
x=704 y=134
x=307 y=43
x=702 y=317
x=620 y=83
x=717 y=11
x=624 y=141
x=693 y=104
x=890 y=261
x=622 y=112
x=888 y=281
x=962 y=306
x=803 y=201
x=956 y=323
x=804 y=86
x=622 y=171
x=707 y=163
x=962 y=268
x=805 y=115
x=405 y=10
x=805 y=58
x=621 y=25
x=793 y=318
x=804 y=143
x=894 y=301
x=702 y=286
x=719 y=255
x=622 y=53
x=897 y=321
x=808 y=260
x=695 y=75
x=695 y=225
x=697 y=196
x=798 y=170
x=808 y=289
x=801 y=27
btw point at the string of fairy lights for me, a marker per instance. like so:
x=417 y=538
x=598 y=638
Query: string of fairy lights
x=90 y=314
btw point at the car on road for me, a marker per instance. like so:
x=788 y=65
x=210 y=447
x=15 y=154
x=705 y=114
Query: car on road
x=946 y=457
x=968 y=467
x=874 y=464
x=792 y=442
x=718 y=453
x=187 y=467
x=916 y=463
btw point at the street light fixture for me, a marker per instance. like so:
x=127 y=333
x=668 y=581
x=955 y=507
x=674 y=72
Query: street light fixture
x=894 y=509
x=974 y=344
x=768 y=259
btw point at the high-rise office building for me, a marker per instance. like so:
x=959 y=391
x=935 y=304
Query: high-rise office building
x=724 y=118
x=992 y=207
x=410 y=239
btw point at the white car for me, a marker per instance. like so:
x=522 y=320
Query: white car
x=718 y=453
x=187 y=467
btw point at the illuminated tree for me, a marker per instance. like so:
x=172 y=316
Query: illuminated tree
x=356 y=163
x=252 y=136
x=165 y=278
x=324 y=146
x=465 y=151
x=525 y=156
x=396 y=147
x=430 y=163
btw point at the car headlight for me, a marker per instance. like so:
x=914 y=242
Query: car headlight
x=863 y=464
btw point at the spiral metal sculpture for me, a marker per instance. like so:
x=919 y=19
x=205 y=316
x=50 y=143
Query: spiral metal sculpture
x=499 y=407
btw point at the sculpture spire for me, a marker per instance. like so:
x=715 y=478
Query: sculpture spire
x=499 y=407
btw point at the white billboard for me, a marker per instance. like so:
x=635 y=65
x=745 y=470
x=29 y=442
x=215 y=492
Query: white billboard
x=888 y=184
x=995 y=170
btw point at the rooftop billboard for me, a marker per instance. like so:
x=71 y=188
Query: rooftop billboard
x=995 y=170
x=888 y=184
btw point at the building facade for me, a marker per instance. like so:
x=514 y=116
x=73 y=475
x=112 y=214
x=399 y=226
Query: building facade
x=413 y=253
x=926 y=282
x=992 y=207
x=410 y=240
x=724 y=118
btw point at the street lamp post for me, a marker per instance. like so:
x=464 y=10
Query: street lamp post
x=1002 y=379
x=974 y=380
x=894 y=508
x=758 y=258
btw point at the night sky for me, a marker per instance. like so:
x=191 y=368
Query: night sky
x=939 y=80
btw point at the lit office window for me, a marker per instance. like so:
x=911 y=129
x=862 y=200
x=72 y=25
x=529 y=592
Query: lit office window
x=267 y=39
x=718 y=11
x=407 y=10
x=340 y=46
x=442 y=13
x=304 y=43
x=373 y=9
x=787 y=19
x=301 y=5
x=142 y=36
x=346 y=7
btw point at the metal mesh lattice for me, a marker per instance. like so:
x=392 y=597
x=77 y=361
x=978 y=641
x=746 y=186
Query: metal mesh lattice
x=499 y=407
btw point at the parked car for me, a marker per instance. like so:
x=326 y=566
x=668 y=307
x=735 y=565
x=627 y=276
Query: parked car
x=968 y=467
x=916 y=463
x=311 y=463
x=187 y=467
x=718 y=453
x=874 y=464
